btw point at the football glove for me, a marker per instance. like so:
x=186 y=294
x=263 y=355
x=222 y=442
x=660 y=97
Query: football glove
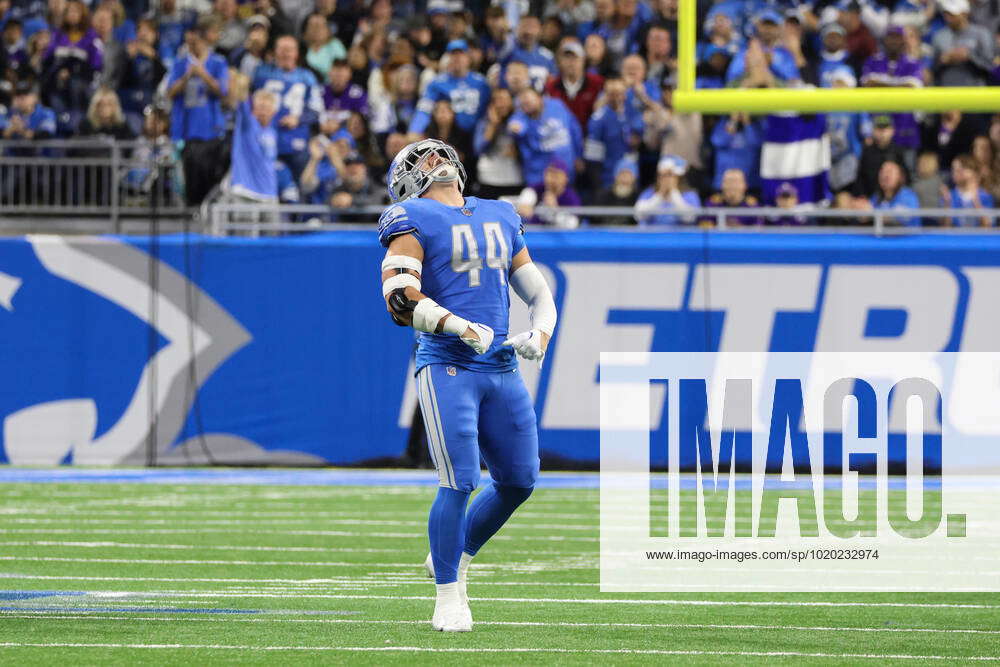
x=528 y=345
x=484 y=341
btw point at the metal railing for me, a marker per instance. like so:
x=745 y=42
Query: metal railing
x=257 y=219
x=96 y=177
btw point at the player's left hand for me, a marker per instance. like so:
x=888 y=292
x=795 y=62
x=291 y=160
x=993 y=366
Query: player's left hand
x=528 y=345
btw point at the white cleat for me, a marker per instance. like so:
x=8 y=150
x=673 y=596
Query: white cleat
x=450 y=614
x=463 y=575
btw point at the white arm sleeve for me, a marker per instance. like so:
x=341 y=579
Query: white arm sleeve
x=529 y=284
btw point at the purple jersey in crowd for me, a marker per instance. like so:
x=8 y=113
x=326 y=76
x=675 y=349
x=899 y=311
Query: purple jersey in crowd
x=88 y=49
x=904 y=71
x=351 y=98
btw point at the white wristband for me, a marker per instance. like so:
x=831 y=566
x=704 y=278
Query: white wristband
x=427 y=314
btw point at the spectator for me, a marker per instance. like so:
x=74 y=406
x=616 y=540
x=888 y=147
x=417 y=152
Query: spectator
x=860 y=42
x=516 y=78
x=497 y=40
x=787 y=197
x=598 y=60
x=951 y=134
x=196 y=86
x=278 y=20
x=324 y=170
x=987 y=164
x=255 y=149
x=322 y=48
x=34 y=67
x=553 y=192
x=468 y=92
x=576 y=87
x=552 y=32
x=928 y=185
x=669 y=133
x=963 y=51
x=664 y=16
x=641 y=94
x=232 y=30
x=604 y=15
x=544 y=129
x=15 y=49
x=712 y=66
x=153 y=157
x=621 y=193
x=967 y=193
x=833 y=55
x=892 y=193
x=395 y=111
x=665 y=203
x=341 y=96
x=73 y=59
x=765 y=62
x=356 y=189
x=498 y=169
x=737 y=143
x=364 y=142
x=611 y=133
x=659 y=47
x=622 y=33
x=141 y=74
x=300 y=100
x=105 y=117
x=25 y=120
x=873 y=155
x=847 y=130
x=541 y=64
x=248 y=57
x=572 y=13
x=444 y=127
x=893 y=68
x=733 y=194
x=103 y=23
x=174 y=23
x=722 y=34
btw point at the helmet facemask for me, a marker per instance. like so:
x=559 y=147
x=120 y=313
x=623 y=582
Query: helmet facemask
x=419 y=165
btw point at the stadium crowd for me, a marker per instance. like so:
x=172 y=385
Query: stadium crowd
x=550 y=103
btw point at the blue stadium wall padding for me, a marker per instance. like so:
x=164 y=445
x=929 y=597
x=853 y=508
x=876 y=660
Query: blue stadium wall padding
x=191 y=349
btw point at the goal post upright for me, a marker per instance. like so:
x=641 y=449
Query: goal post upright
x=687 y=98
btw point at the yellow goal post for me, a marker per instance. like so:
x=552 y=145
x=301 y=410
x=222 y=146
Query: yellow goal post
x=812 y=100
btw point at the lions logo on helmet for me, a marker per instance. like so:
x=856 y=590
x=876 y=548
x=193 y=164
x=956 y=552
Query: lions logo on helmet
x=410 y=174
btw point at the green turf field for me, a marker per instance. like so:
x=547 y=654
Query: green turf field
x=207 y=574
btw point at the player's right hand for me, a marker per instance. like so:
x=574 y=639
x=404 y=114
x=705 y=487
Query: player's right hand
x=478 y=336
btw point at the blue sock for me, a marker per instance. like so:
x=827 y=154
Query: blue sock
x=489 y=511
x=446 y=530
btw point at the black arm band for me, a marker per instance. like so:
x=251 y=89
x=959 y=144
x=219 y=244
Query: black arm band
x=400 y=305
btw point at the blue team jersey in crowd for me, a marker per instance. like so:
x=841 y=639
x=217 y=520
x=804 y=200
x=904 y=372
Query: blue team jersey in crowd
x=554 y=134
x=608 y=135
x=540 y=61
x=299 y=94
x=468 y=95
x=41 y=121
x=255 y=149
x=467 y=255
x=904 y=198
x=197 y=113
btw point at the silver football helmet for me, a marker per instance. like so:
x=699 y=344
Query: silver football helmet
x=410 y=174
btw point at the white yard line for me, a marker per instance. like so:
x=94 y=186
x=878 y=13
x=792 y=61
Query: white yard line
x=226 y=618
x=681 y=603
x=421 y=535
x=425 y=649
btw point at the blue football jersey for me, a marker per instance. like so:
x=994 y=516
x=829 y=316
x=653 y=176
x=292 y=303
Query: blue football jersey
x=467 y=255
x=299 y=94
